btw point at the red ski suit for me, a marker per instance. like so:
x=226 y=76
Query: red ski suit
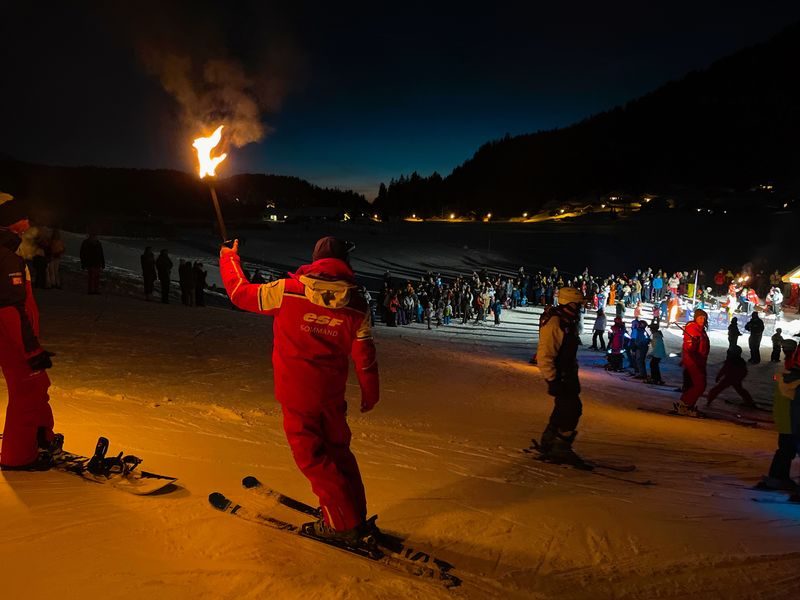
x=694 y=357
x=28 y=408
x=320 y=321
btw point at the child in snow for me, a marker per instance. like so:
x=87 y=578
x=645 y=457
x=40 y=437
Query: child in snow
x=658 y=352
x=786 y=412
x=616 y=342
x=777 y=340
x=732 y=373
x=448 y=313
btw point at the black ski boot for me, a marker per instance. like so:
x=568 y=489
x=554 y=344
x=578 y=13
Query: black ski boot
x=557 y=448
x=364 y=535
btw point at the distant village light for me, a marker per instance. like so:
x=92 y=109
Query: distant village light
x=452 y=215
x=602 y=206
x=524 y=215
x=488 y=215
x=562 y=211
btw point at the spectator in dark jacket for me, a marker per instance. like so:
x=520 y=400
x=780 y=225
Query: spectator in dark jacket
x=164 y=269
x=149 y=273
x=186 y=279
x=756 y=328
x=199 y=284
x=93 y=261
x=733 y=333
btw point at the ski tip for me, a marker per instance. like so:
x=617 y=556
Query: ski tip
x=218 y=501
x=250 y=482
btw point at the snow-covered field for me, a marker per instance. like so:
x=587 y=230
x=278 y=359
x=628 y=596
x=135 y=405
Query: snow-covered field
x=190 y=390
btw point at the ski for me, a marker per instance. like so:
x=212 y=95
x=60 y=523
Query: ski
x=390 y=542
x=370 y=550
x=585 y=465
x=119 y=472
x=736 y=419
x=594 y=468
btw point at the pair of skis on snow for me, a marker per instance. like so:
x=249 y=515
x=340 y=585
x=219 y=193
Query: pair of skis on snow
x=595 y=467
x=381 y=548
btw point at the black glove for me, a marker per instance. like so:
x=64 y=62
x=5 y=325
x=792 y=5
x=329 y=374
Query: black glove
x=554 y=387
x=40 y=361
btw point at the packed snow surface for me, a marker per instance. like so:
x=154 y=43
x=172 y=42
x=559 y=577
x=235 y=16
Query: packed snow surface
x=190 y=391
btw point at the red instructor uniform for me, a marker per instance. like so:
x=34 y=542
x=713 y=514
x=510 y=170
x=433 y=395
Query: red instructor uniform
x=694 y=357
x=28 y=415
x=320 y=321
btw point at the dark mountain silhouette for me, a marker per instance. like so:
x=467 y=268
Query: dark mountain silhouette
x=80 y=196
x=729 y=127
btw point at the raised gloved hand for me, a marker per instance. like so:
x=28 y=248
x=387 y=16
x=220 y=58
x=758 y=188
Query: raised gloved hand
x=40 y=360
x=226 y=250
x=554 y=387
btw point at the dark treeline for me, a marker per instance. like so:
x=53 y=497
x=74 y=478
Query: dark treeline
x=730 y=127
x=79 y=196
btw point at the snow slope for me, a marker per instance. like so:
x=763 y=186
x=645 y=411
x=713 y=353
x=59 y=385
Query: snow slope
x=190 y=390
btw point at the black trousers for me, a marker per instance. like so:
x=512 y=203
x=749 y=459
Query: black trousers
x=599 y=335
x=164 y=290
x=755 y=349
x=784 y=455
x=655 y=369
x=567 y=411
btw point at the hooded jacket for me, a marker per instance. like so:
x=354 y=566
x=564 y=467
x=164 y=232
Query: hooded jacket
x=320 y=321
x=19 y=315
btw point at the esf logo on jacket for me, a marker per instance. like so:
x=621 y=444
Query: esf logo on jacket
x=325 y=320
x=17 y=278
x=322 y=319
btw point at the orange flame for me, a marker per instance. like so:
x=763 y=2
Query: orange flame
x=204 y=146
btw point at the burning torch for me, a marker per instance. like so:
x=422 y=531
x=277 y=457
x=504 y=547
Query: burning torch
x=208 y=166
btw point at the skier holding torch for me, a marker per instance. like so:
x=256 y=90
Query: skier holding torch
x=320 y=321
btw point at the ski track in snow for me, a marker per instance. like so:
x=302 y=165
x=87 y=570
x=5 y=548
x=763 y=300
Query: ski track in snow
x=190 y=390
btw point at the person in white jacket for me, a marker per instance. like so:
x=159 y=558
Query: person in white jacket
x=599 y=331
x=557 y=360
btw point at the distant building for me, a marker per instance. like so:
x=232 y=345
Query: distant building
x=305 y=213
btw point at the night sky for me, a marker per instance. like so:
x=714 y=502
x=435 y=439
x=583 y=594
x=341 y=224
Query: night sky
x=352 y=95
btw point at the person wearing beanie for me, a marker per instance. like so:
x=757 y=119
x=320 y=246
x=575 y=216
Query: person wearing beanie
x=29 y=418
x=320 y=321
x=694 y=357
x=557 y=359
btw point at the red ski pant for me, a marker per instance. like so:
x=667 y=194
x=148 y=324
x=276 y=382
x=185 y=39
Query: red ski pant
x=695 y=378
x=736 y=384
x=28 y=406
x=320 y=443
